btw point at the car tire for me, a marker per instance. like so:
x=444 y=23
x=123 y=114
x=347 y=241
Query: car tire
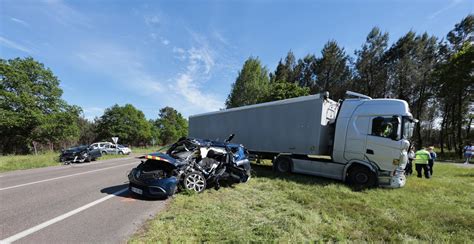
x=360 y=178
x=120 y=153
x=283 y=164
x=104 y=153
x=88 y=159
x=194 y=181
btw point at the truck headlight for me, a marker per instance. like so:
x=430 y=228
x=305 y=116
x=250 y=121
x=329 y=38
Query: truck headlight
x=396 y=162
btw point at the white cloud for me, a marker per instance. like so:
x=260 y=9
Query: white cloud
x=165 y=41
x=200 y=62
x=123 y=65
x=11 y=44
x=452 y=4
x=152 y=20
x=66 y=15
x=19 y=21
x=93 y=112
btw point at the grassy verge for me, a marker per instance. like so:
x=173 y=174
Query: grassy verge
x=16 y=162
x=299 y=208
x=146 y=150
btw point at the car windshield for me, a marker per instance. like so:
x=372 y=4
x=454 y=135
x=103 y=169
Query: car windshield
x=77 y=148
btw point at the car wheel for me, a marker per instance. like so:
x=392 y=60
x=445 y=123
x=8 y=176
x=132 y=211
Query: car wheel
x=361 y=177
x=88 y=159
x=282 y=164
x=104 y=153
x=120 y=153
x=195 y=181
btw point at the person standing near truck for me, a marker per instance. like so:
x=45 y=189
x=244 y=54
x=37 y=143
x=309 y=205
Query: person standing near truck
x=411 y=157
x=468 y=150
x=422 y=158
x=432 y=159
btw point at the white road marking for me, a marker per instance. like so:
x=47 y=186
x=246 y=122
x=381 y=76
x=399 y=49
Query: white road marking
x=59 y=218
x=65 y=176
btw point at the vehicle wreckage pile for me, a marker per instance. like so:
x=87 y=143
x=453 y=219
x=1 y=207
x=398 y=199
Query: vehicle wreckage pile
x=190 y=164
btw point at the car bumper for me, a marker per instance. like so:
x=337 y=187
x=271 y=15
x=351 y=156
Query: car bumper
x=398 y=180
x=158 y=189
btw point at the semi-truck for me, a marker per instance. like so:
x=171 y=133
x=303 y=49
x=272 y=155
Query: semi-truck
x=358 y=140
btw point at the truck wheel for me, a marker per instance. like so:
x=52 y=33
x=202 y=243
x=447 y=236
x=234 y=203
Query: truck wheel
x=282 y=164
x=361 y=177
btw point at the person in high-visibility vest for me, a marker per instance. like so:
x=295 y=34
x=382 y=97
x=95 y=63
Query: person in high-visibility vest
x=421 y=162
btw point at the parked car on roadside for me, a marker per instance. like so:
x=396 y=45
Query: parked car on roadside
x=124 y=149
x=100 y=145
x=79 y=154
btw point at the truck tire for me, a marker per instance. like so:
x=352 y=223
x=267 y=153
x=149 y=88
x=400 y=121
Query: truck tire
x=282 y=164
x=361 y=178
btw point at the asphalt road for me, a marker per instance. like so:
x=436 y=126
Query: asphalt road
x=79 y=203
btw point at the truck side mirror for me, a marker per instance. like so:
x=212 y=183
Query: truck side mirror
x=395 y=128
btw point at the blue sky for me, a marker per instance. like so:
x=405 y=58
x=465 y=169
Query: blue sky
x=186 y=54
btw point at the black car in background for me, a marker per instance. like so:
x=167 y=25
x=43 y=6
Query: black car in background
x=79 y=154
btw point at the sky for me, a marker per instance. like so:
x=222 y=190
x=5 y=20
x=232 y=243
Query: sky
x=187 y=54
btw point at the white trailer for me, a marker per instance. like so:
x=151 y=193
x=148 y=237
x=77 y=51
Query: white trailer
x=361 y=140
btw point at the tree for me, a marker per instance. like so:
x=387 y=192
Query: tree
x=462 y=33
x=285 y=90
x=127 y=123
x=171 y=125
x=251 y=85
x=87 y=131
x=371 y=77
x=285 y=72
x=455 y=93
x=332 y=70
x=411 y=62
x=305 y=74
x=31 y=107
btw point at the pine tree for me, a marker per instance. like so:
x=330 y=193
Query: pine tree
x=371 y=77
x=251 y=85
x=332 y=70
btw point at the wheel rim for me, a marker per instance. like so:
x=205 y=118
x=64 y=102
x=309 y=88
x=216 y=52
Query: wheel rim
x=195 y=182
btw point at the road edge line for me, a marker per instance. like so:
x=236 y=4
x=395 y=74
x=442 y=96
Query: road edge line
x=59 y=218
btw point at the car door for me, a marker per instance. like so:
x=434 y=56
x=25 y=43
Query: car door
x=382 y=148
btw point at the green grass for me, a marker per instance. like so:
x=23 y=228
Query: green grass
x=299 y=208
x=146 y=150
x=17 y=162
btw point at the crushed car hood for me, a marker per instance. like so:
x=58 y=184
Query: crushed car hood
x=161 y=157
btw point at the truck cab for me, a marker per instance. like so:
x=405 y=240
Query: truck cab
x=373 y=134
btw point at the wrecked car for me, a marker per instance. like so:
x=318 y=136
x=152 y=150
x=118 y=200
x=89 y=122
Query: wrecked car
x=79 y=154
x=190 y=164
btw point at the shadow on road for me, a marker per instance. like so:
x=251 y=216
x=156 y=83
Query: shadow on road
x=111 y=190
